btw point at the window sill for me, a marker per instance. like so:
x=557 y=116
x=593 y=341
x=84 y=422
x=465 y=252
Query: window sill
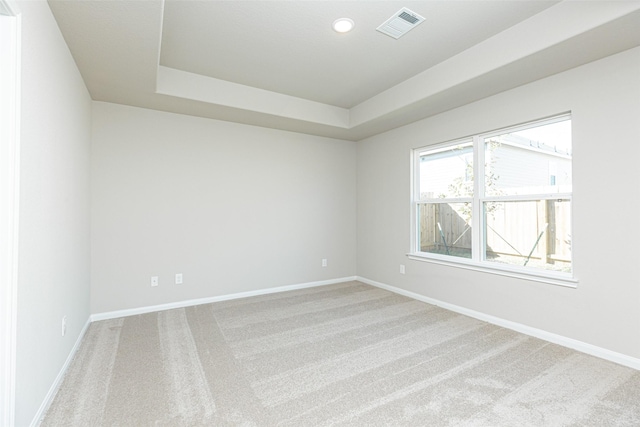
x=569 y=282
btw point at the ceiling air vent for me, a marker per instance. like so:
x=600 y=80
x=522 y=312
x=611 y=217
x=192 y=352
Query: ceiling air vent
x=400 y=23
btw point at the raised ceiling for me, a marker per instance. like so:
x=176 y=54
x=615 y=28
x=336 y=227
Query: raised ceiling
x=279 y=64
x=290 y=47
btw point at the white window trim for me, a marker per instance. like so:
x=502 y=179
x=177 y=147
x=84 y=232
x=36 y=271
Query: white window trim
x=10 y=48
x=498 y=269
x=475 y=263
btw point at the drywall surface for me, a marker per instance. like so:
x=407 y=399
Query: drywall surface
x=54 y=208
x=604 y=309
x=233 y=208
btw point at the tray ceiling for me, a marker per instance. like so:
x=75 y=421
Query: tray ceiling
x=279 y=63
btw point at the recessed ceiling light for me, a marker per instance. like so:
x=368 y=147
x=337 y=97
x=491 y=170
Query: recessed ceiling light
x=343 y=25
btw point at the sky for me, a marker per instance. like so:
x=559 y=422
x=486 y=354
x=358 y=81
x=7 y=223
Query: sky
x=556 y=135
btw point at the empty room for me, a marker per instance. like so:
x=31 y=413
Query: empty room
x=314 y=213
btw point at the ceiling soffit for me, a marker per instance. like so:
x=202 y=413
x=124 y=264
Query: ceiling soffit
x=117 y=46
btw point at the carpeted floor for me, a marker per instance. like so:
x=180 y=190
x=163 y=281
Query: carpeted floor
x=346 y=354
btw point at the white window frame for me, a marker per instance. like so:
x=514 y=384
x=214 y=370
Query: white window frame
x=476 y=262
x=10 y=48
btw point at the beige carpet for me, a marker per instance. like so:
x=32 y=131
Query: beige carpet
x=346 y=354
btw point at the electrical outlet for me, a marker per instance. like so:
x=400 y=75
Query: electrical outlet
x=324 y=262
x=64 y=325
x=402 y=269
x=154 y=281
x=179 y=279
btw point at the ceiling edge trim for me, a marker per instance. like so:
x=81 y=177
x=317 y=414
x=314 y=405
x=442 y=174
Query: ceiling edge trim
x=183 y=84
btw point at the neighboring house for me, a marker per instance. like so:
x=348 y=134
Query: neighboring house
x=518 y=162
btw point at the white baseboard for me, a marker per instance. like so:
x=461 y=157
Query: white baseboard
x=188 y=303
x=58 y=381
x=583 y=347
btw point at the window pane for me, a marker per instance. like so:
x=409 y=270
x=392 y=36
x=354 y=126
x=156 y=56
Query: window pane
x=446 y=172
x=445 y=228
x=535 y=234
x=531 y=161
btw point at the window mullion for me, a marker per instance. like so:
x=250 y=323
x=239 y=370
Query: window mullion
x=478 y=193
x=528 y=197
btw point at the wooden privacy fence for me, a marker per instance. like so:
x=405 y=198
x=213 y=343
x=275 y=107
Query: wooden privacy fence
x=453 y=235
x=523 y=229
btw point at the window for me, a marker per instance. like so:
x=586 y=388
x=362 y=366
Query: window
x=500 y=200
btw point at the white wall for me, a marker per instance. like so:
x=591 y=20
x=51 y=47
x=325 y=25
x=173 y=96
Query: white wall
x=234 y=208
x=54 y=208
x=604 y=310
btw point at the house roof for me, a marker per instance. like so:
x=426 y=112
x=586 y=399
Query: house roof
x=279 y=64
